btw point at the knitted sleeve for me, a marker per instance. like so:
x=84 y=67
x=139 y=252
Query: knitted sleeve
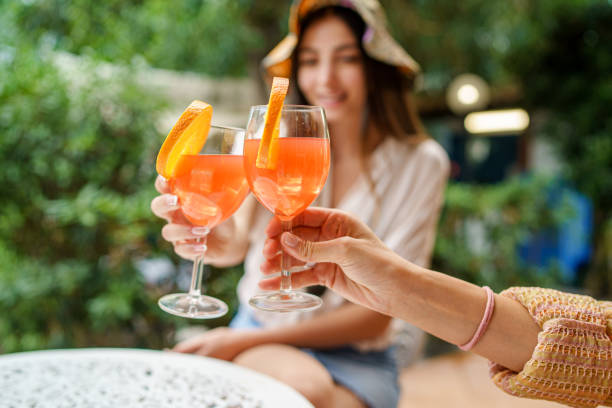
x=572 y=362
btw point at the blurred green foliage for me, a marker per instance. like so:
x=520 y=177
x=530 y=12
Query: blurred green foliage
x=194 y=35
x=77 y=147
x=567 y=72
x=74 y=193
x=482 y=226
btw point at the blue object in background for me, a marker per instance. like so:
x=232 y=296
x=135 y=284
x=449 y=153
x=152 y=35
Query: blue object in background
x=569 y=245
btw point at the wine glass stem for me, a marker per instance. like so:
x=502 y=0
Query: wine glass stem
x=195 y=289
x=285 y=285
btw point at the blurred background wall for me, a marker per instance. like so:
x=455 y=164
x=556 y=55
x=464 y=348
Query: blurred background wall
x=88 y=91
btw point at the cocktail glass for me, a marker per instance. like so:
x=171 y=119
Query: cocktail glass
x=210 y=187
x=296 y=171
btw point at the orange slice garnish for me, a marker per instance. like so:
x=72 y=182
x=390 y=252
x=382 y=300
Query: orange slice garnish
x=268 y=148
x=187 y=136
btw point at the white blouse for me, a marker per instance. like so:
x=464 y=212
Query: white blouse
x=409 y=181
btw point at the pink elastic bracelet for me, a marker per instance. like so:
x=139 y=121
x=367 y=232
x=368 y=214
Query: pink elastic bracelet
x=484 y=323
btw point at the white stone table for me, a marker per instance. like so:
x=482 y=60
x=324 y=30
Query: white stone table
x=107 y=377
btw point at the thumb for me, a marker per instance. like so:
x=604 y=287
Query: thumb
x=310 y=251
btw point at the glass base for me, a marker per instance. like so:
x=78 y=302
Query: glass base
x=194 y=307
x=286 y=302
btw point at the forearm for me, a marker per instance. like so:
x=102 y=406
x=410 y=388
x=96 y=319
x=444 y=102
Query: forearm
x=452 y=309
x=347 y=324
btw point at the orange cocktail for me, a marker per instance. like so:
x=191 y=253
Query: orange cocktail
x=210 y=187
x=302 y=164
x=204 y=166
x=286 y=159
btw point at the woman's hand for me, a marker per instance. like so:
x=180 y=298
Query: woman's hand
x=184 y=235
x=350 y=258
x=223 y=343
x=355 y=263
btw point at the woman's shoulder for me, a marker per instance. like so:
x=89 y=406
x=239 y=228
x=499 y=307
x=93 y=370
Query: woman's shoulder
x=430 y=149
x=425 y=153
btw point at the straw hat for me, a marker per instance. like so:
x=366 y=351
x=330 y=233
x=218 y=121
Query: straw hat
x=377 y=42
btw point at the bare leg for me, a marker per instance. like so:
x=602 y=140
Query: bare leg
x=301 y=372
x=343 y=397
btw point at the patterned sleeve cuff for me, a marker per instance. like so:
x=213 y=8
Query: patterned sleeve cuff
x=572 y=362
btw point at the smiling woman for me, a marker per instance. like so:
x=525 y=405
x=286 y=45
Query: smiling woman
x=330 y=68
x=383 y=168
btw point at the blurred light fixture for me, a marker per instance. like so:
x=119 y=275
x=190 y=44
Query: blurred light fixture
x=467 y=93
x=497 y=121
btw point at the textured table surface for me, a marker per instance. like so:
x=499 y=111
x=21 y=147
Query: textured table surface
x=135 y=378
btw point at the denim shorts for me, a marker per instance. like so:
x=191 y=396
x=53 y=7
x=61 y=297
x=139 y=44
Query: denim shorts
x=371 y=375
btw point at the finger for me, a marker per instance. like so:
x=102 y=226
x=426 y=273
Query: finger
x=162 y=185
x=165 y=205
x=307 y=233
x=273 y=265
x=270 y=266
x=203 y=351
x=271 y=248
x=334 y=250
x=189 y=346
x=272 y=253
x=298 y=280
x=310 y=217
x=179 y=232
x=189 y=250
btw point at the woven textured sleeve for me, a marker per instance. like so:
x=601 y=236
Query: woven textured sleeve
x=572 y=362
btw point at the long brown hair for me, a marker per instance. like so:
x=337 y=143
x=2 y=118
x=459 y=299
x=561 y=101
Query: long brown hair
x=389 y=102
x=389 y=108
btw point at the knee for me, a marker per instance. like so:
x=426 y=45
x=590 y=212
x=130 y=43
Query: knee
x=255 y=358
x=309 y=378
x=319 y=393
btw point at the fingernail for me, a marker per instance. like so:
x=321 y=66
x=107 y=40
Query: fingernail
x=172 y=200
x=200 y=230
x=290 y=240
x=199 y=248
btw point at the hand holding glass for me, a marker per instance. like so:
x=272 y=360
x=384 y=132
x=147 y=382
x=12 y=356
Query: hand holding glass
x=210 y=187
x=298 y=166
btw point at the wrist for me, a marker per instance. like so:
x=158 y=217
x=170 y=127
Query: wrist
x=259 y=336
x=408 y=282
x=441 y=305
